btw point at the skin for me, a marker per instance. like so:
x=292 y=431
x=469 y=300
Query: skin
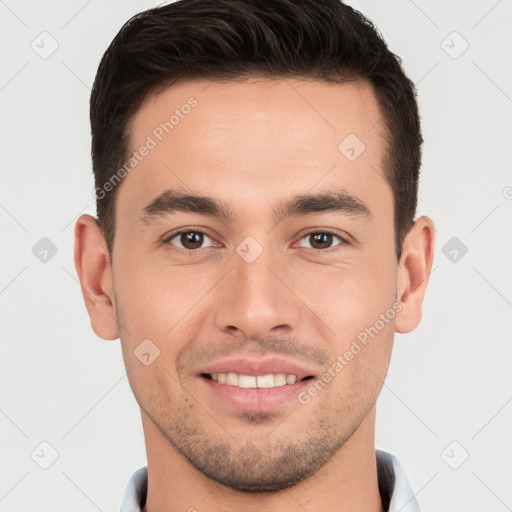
x=251 y=144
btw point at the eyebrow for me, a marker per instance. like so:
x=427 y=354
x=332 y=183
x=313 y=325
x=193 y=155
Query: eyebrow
x=178 y=200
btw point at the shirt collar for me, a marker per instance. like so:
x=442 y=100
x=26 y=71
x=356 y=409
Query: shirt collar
x=394 y=487
x=395 y=490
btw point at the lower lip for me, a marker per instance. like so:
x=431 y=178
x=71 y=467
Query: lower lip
x=256 y=399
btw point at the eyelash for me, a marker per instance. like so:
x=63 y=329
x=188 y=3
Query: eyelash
x=343 y=241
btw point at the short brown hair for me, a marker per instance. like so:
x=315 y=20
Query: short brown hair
x=223 y=40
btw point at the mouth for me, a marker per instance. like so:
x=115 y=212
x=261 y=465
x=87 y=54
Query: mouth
x=270 y=380
x=255 y=385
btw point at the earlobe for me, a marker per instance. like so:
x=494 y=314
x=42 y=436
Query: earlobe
x=414 y=273
x=95 y=275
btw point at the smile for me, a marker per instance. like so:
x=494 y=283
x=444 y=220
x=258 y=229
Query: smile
x=271 y=380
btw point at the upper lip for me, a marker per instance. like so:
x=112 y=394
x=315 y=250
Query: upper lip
x=262 y=366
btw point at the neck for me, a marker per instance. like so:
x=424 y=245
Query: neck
x=347 y=482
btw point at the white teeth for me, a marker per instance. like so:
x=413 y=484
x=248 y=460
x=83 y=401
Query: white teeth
x=247 y=381
x=279 y=379
x=232 y=379
x=290 y=379
x=265 y=381
x=271 y=380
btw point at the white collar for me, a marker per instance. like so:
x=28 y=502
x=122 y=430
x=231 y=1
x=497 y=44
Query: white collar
x=394 y=485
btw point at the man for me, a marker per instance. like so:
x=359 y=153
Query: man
x=256 y=169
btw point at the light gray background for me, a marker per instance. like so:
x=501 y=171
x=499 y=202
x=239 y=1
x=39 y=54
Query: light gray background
x=449 y=380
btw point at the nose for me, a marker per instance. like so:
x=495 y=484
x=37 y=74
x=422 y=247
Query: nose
x=257 y=298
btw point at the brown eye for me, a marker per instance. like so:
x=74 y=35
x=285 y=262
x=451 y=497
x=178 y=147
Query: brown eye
x=321 y=240
x=190 y=240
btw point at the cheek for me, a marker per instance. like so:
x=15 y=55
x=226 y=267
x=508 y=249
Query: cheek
x=155 y=300
x=152 y=338
x=160 y=311
x=360 y=363
x=357 y=302
x=349 y=297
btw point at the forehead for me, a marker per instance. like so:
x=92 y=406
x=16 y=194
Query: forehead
x=246 y=142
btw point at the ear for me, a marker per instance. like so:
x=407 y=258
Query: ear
x=414 y=272
x=95 y=274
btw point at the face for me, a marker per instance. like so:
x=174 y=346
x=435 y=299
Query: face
x=254 y=277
